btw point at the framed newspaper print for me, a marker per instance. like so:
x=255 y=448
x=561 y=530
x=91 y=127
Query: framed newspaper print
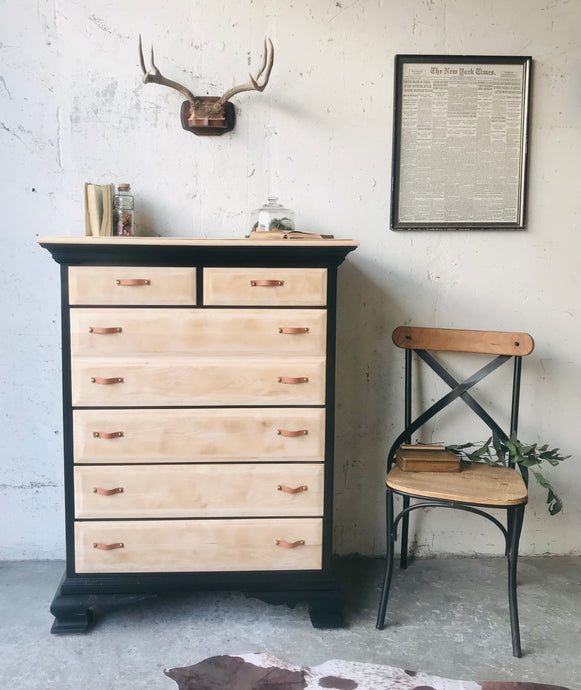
x=460 y=139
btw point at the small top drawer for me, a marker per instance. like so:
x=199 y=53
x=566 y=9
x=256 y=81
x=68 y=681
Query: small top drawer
x=132 y=285
x=265 y=286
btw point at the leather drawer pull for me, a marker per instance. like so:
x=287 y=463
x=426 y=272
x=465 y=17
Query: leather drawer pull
x=108 y=492
x=293 y=331
x=288 y=490
x=106 y=382
x=108 y=547
x=292 y=434
x=133 y=281
x=106 y=434
x=266 y=283
x=293 y=379
x=289 y=544
x=104 y=331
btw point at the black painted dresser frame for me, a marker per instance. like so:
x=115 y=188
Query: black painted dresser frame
x=79 y=595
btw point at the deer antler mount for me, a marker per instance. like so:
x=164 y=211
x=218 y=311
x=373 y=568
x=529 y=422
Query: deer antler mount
x=210 y=115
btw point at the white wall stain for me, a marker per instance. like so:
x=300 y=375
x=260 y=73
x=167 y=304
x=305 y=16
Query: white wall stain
x=59 y=137
x=5 y=86
x=7 y=129
x=98 y=21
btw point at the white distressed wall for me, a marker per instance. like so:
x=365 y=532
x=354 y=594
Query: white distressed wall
x=73 y=109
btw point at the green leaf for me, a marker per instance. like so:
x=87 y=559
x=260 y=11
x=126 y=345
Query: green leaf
x=554 y=502
x=497 y=450
x=529 y=462
x=512 y=449
x=458 y=447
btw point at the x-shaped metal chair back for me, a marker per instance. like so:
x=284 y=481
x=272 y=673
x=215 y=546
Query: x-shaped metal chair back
x=459 y=390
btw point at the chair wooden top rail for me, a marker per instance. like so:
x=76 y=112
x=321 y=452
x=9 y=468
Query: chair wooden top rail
x=455 y=340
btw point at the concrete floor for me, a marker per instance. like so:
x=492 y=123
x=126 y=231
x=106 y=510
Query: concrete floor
x=447 y=617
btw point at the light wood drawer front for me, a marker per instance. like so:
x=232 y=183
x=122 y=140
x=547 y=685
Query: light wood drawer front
x=199 y=435
x=198 y=545
x=211 y=331
x=172 y=491
x=265 y=286
x=197 y=381
x=132 y=285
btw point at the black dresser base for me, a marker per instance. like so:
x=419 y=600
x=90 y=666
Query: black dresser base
x=77 y=603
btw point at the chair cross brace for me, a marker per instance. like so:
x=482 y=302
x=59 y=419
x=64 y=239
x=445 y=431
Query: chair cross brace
x=459 y=390
x=445 y=375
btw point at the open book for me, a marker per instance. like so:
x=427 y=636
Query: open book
x=287 y=235
x=99 y=209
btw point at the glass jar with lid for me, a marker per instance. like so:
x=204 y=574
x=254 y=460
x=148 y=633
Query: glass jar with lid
x=272 y=216
x=123 y=210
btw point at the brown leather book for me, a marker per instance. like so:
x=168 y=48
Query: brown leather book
x=426 y=459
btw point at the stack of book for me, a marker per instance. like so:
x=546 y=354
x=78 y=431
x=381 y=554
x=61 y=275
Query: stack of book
x=426 y=458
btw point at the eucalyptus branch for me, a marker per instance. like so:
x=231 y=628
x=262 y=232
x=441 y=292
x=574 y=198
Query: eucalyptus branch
x=497 y=451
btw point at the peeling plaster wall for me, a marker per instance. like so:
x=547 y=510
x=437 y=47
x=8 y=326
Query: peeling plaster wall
x=73 y=109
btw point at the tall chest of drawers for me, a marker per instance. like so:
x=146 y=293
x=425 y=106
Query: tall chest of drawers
x=198 y=399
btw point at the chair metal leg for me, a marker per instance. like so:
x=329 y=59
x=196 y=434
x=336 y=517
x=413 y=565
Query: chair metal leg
x=405 y=523
x=515 y=521
x=509 y=528
x=388 y=561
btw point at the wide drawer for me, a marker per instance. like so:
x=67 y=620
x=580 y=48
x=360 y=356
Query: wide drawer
x=154 y=382
x=198 y=331
x=199 y=435
x=172 y=491
x=198 y=545
x=132 y=285
x=265 y=286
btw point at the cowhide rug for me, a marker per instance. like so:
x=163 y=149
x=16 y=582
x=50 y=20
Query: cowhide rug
x=266 y=672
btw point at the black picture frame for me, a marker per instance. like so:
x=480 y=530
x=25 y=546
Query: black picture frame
x=460 y=142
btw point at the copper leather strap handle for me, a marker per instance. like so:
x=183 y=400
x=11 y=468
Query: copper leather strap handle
x=133 y=281
x=293 y=379
x=107 y=434
x=288 y=490
x=107 y=492
x=108 y=547
x=292 y=434
x=292 y=330
x=266 y=283
x=106 y=382
x=289 y=544
x=104 y=331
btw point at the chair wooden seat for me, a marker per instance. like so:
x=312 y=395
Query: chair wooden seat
x=475 y=483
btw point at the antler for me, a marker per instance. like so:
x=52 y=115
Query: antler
x=253 y=84
x=154 y=76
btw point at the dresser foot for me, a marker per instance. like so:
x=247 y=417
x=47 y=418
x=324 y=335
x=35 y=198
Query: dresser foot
x=76 y=611
x=324 y=605
x=72 y=614
x=324 y=617
x=325 y=611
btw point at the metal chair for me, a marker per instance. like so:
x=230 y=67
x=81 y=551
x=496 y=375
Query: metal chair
x=477 y=487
